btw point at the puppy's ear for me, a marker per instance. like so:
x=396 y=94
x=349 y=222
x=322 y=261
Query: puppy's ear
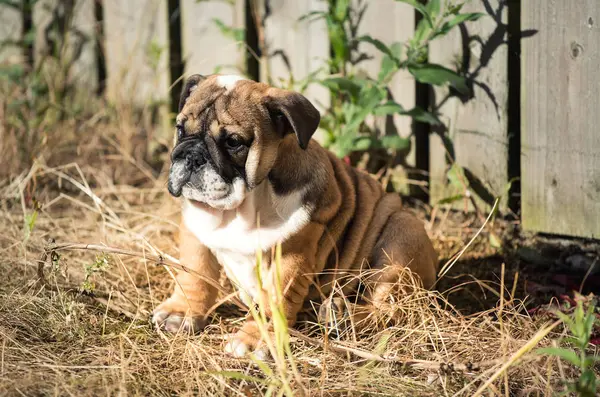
x=292 y=112
x=190 y=85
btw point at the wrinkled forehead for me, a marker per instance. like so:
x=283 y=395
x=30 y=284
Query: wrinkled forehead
x=226 y=99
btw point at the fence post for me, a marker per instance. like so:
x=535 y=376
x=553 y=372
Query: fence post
x=560 y=143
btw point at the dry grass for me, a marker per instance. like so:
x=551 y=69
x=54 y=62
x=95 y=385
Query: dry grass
x=58 y=340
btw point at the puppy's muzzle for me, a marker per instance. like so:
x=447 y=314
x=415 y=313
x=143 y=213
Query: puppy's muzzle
x=187 y=157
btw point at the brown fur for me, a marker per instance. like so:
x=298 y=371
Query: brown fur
x=354 y=225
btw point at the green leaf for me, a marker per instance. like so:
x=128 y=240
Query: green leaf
x=344 y=145
x=396 y=49
x=591 y=360
x=369 y=97
x=419 y=7
x=456 y=177
x=390 y=63
x=379 y=45
x=416 y=113
x=453 y=9
x=571 y=340
x=395 y=142
x=235 y=34
x=457 y=20
x=388 y=108
x=387 y=68
x=566 y=319
x=341 y=9
x=495 y=241
x=343 y=84
x=565 y=354
x=433 y=8
x=30 y=223
x=430 y=73
x=589 y=324
x=337 y=38
x=423 y=29
x=363 y=143
x=423 y=116
x=588 y=384
x=451 y=199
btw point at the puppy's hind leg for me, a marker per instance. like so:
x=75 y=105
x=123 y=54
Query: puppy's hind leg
x=402 y=261
x=404 y=243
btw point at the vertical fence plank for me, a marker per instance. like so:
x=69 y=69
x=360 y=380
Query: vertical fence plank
x=208 y=47
x=560 y=142
x=295 y=48
x=65 y=42
x=477 y=128
x=390 y=22
x=11 y=30
x=137 y=51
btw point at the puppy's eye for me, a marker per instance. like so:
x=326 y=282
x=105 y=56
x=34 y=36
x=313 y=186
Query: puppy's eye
x=180 y=132
x=233 y=142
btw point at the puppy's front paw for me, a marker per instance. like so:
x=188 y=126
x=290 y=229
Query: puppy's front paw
x=333 y=313
x=173 y=316
x=247 y=340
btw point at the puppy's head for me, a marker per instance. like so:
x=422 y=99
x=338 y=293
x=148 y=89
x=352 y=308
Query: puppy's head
x=229 y=134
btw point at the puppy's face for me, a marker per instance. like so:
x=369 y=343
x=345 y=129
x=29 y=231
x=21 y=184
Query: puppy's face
x=229 y=132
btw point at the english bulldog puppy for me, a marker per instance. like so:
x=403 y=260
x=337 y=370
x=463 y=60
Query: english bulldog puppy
x=250 y=177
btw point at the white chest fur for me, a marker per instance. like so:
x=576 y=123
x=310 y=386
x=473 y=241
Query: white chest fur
x=241 y=271
x=234 y=236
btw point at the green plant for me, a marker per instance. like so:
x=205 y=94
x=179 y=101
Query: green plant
x=100 y=265
x=38 y=92
x=581 y=326
x=356 y=97
x=30 y=220
x=275 y=336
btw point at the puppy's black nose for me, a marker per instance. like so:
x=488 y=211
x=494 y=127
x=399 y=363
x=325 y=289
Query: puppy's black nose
x=194 y=160
x=186 y=158
x=192 y=153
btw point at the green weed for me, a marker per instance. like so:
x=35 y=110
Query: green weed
x=99 y=266
x=581 y=326
x=284 y=379
x=356 y=97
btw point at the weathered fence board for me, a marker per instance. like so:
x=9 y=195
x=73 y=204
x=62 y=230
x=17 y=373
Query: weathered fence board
x=65 y=42
x=390 y=22
x=560 y=147
x=560 y=143
x=136 y=50
x=295 y=48
x=207 y=48
x=11 y=29
x=477 y=129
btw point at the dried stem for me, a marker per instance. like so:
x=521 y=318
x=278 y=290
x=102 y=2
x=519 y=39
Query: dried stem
x=157 y=259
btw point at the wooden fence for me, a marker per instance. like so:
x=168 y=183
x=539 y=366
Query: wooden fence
x=527 y=134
